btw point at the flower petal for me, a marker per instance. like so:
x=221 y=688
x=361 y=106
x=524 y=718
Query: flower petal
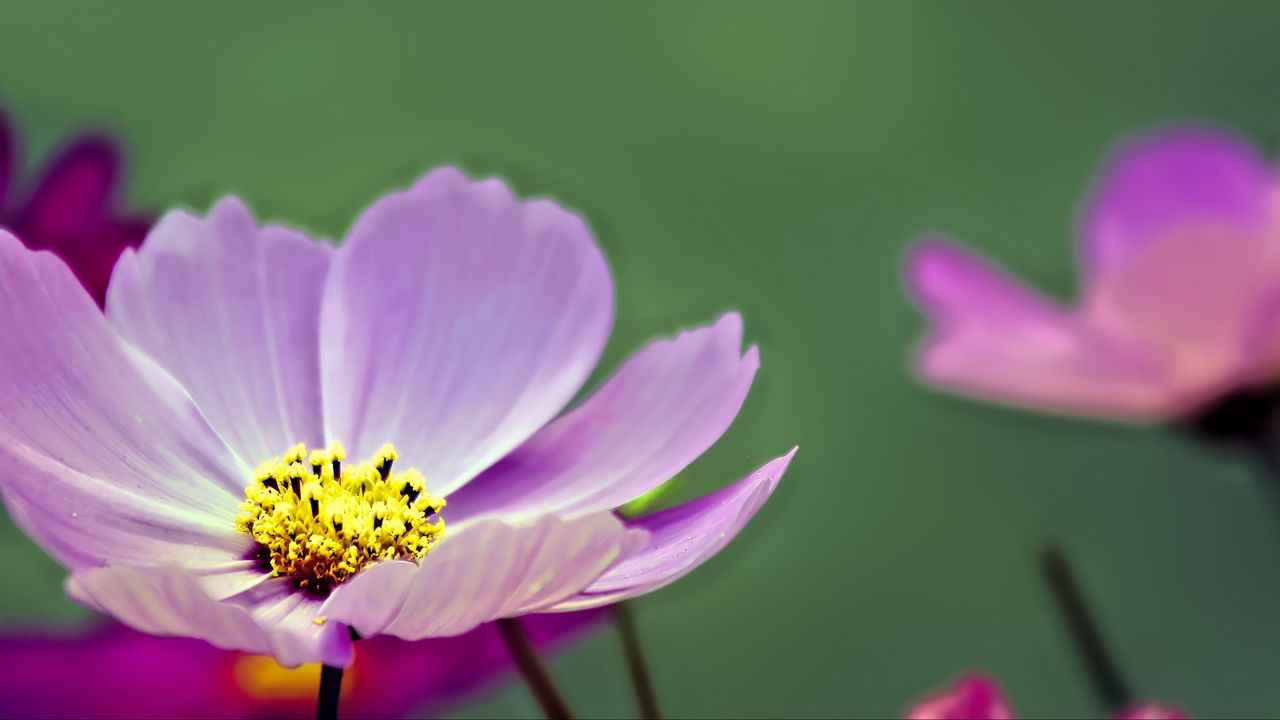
x=232 y=311
x=657 y=414
x=681 y=538
x=103 y=457
x=122 y=673
x=118 y=673
x=1183 y=175
x=991 y=337
x=170 y=601
x=971 y=697
x=484 y=571
x=74 y=190
x=70 y=211
x=93 y=255
x=1195 y=294
x=457 y=321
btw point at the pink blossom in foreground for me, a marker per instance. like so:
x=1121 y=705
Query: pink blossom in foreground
x=426 y=360
x=120 y=672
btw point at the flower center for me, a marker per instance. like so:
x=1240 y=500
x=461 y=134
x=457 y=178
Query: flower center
x=319 y=522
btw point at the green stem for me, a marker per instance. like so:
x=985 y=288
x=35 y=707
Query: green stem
x=1108 y=682
x=625 y=621
x=531 y=669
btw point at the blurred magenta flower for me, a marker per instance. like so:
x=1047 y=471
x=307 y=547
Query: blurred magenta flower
x=977 y=696
x=71 y=210
x=1180 y=254
x=454 y=321
x=113 y=671
x=971 y=697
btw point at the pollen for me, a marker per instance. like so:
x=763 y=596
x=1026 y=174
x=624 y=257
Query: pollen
x=318 y=521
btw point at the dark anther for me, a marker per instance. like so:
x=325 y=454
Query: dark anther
x=410 y=492
x=271 y=483
x=296 y=484
x=377 y=523
x=260 y=556
x=430 y=510
x=315 y=507
x=384 y=469
x=317 y=587
x=315 y=470
x=337 y=524
x=337 y=469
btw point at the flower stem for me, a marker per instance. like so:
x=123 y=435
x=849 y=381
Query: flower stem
x=532 y=670
x=330 y=689
x=1109 y=685
x=625 y=621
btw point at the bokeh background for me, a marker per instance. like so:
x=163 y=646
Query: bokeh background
x=777 y=159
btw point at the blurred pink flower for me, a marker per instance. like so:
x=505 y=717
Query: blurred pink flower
x=115 y=672
x=977 y=696
x=971 y=697
x=71 y=210
x=1180 y=255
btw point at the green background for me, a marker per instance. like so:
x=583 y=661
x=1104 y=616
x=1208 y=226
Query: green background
x=776 y=159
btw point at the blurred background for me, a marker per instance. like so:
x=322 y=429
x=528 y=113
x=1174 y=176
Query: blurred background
x=775 y=159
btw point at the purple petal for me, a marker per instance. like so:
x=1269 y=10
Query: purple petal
x=93 y=256
x=991 y=337
x=169 y=601
x=70 y=212
x=483 y=571
x=232 y=311
x=457 y=321
x=1189 y=175
x=75 y=188
x=1196 y=296
x=657 y=414
x=1260 y=337
x=372 y=599
x=103 y=457
x=971 y=697
x=682 y=537
x=116 y=672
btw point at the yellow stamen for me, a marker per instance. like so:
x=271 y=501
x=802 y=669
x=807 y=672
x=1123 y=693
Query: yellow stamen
x=319 y=522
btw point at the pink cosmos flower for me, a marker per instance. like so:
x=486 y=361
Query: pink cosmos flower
x=977 y=696
x=443 y=337
x=1180 y=255
x=135 y=675
x=138 y=675
x=71 y=209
